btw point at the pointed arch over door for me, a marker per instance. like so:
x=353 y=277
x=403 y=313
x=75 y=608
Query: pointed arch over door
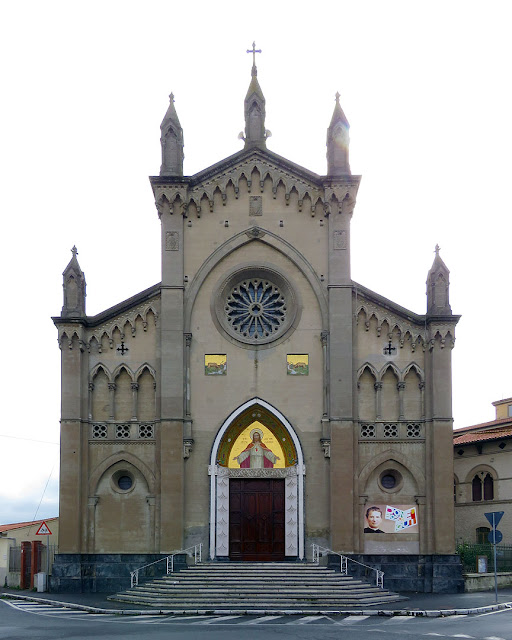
x=286 y=465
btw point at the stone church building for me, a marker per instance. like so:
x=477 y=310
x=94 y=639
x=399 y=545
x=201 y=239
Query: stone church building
x=257 y=399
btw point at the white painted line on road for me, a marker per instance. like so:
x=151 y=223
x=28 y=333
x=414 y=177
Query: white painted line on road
x=493 y=638
x=352 y=620
x=395 y=619
x=180 y=618
x=461 y=635
x=217 y=619
x=435 y=634
x=307 y=619
x=262 y=619
x=491 y=613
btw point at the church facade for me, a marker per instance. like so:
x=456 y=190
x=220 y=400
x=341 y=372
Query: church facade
x=256 y=400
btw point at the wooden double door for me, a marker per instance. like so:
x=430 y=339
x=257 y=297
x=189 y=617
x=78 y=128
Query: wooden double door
x=256 y=519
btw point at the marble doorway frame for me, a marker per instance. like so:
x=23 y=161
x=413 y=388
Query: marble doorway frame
x=219 y=490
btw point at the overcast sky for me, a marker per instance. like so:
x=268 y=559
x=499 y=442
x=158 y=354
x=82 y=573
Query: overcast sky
x=426 y=88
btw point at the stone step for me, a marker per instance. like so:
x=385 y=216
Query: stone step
x=201 y=602
x=255 y=586
x=251 y=592
x=161 y=588
x=252 y=580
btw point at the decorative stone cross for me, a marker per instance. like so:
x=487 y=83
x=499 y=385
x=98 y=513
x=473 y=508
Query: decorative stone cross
x=437 y=249
x=389 y=349
x=254 y=51
x=123 y=349
x=74 y=251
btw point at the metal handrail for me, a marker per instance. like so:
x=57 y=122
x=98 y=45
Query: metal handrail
x=319 y=551
x=196 y=551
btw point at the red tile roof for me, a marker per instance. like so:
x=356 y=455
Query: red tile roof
x=496 y=433
x=19 y=525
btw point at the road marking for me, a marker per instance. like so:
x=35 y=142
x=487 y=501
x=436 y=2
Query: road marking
x=491 y=613
x=395 y=619
x=493 y=638
x=217 y=619
x=180 y=618
x=307 y=619
x=456 y=615
x=262 y=619
x=352 y=620
x=461 y=635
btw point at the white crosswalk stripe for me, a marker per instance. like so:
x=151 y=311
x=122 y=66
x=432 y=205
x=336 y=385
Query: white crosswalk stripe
x=308 y=619
x=352 y=620
x=217 y=619
x=262 y=619
x=397 y=619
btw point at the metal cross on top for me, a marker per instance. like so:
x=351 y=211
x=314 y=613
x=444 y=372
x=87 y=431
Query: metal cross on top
x=123 y=348
x=254 y=51
x=389 y=349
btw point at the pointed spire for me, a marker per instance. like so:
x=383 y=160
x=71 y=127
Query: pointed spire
x=254 y=108
x=438 y=287
x=74 y=289
x=171 y=140
x=338 y=142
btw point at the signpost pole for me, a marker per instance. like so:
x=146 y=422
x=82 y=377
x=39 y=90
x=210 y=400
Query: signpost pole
x=495 y=568
x=494 y=537
x=47 y=557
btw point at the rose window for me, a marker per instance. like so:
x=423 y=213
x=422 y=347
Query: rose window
x=255 y=306
x=255 y=309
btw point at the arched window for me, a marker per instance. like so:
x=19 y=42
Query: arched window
x=482 y=534
x=482 y=487
x=477 y=489
x=488 y=487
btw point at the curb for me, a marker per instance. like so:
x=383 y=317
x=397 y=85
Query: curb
x=435 y=613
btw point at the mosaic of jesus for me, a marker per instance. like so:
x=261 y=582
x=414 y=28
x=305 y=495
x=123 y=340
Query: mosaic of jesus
x=256 y=455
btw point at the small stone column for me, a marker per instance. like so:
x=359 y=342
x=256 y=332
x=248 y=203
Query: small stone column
x=187 y=427
x=89 y=400
x=324 y=337
x=378 y=400
x=112 y=396
x=135 y=400
x=401 y=387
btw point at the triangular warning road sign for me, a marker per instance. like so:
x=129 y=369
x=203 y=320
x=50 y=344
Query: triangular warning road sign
x=43 y=530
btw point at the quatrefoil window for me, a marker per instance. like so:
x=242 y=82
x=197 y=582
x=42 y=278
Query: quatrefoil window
x=256 y=308
x=255 y=305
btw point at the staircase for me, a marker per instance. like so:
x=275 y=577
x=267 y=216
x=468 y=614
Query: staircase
x=250 y=586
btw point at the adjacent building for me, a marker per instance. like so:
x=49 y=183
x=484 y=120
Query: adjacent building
x=483 y=476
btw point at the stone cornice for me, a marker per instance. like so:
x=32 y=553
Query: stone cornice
x=336 y=194
x=112 y=312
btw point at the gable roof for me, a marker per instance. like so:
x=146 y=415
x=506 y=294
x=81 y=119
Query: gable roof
x=494 y=430
x=20 y=525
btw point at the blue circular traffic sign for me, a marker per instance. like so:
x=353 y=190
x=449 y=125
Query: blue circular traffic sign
x=495 y=537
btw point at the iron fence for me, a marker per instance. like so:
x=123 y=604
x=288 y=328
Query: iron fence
x=15 y=559
x=469 y=554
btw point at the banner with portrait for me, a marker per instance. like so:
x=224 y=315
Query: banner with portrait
x=390 y=518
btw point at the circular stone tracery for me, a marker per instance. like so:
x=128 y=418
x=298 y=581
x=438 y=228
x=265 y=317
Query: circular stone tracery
x=255 y=305
x=255 y=309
